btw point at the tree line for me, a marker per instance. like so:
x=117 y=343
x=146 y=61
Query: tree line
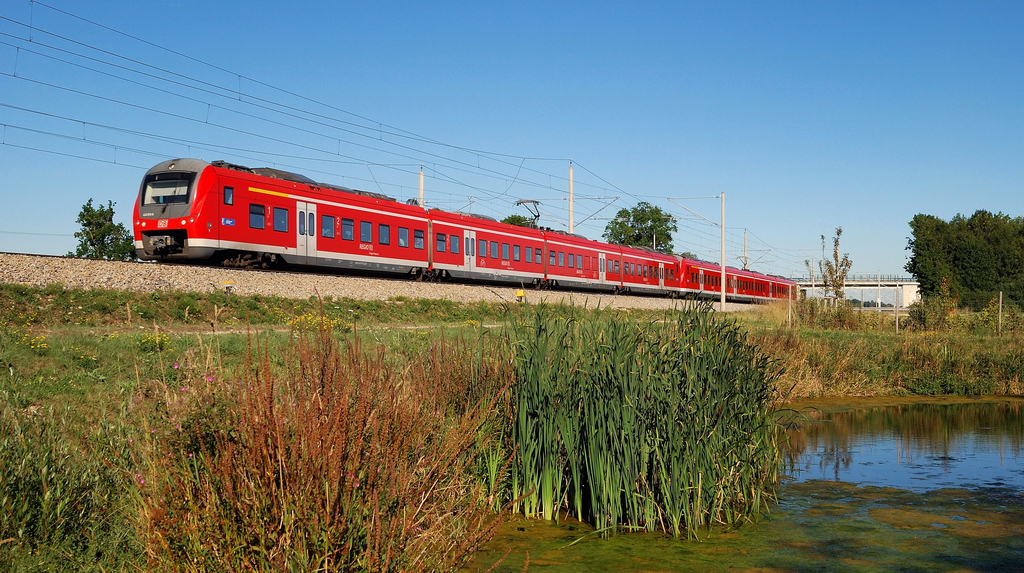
x=973 y=258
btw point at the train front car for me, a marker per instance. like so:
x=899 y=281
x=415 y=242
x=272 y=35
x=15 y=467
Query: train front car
x=170 y=224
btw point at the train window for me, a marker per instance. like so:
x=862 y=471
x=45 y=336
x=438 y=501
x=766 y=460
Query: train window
x=504 y=251
x=571 y=261
x=327 y=226
x=553 y=258
x=167 y=188
x=417 y=239
x=281 y=219
x=516 y=252
x=302 y=222
x=229 y=195
x=312 y=225
x=529 y=254
x=442 y=241
x=586 y=263
x=579 y=261
x=456 y=241
x=494 y=249
x=348 y=229
x=403 y=237
x=384 y=234
x=561 y=259
x=482 y=248
x=365 y=232
x=257 y=216
x=469 y=246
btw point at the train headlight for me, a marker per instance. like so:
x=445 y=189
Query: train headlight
x=183 y=221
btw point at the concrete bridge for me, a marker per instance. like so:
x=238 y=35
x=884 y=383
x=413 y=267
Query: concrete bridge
x=897 y=290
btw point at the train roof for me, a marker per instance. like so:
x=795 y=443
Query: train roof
x=297 y=178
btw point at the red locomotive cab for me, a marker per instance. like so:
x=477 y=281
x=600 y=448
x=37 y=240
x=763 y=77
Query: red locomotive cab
x=169 y=211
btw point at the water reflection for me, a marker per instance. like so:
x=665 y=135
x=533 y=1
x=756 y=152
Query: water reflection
x=919 y=447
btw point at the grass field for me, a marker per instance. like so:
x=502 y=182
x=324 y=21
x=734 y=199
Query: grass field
x=188 y=432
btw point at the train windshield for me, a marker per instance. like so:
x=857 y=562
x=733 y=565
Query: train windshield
x=167 y=188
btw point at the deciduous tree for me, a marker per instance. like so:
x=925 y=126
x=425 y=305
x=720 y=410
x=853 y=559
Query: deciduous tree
x=518 y=220
x=100 y=237
x=833 y=272
x=979 y=256
x=644 y=225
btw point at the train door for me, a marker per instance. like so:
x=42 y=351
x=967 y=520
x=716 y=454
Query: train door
x=469 y=252
x=305 y=243
x=601 y=262
x=661 y=275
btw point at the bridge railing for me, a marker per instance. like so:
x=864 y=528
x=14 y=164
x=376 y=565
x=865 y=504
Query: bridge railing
x=864 y=278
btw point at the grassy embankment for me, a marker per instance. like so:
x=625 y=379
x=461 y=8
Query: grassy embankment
x=833 y=353
x=136 y=434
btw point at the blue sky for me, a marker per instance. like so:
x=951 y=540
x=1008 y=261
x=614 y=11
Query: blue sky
x=808 y=116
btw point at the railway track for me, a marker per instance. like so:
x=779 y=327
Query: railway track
x=43 y=270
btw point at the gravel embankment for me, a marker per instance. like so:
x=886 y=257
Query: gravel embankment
x=148 y=277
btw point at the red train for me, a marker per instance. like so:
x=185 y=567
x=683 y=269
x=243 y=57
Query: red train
x=191 y=210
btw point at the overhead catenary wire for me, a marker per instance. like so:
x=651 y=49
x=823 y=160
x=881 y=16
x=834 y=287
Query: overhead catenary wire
x=445 y=169
x=515 y=178
x=229 y=94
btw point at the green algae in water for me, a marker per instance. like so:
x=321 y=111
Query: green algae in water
x=819 y=525
x=861 y=529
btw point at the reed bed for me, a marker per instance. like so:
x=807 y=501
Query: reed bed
x=663 y=425
x=836 y=363
x=339 y=458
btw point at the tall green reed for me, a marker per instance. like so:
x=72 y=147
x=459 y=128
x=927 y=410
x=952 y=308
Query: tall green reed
x=661 y=425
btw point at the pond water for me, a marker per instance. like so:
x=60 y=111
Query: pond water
x=871 y=485
x=919 y=447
